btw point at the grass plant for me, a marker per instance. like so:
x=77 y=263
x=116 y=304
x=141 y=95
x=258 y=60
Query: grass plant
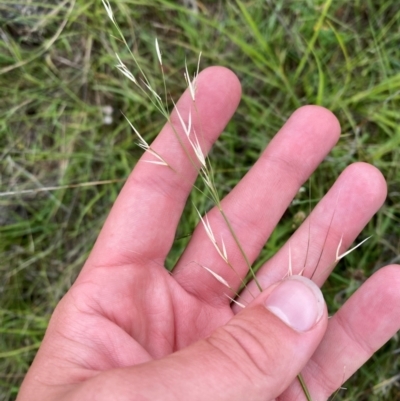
x=65 y=148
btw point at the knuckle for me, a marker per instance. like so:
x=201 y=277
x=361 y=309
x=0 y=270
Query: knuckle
x=242 y=345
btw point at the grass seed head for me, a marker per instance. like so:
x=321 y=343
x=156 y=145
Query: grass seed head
x=123 y=68
x=109 y=10
x=218 y=277
x=158 y=52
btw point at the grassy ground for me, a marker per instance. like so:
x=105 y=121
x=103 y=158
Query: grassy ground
x=57 y=74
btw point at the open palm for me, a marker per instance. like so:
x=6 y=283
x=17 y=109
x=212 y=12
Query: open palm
x=125 y=310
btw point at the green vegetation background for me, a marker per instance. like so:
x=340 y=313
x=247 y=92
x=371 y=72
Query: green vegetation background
x=57 y=73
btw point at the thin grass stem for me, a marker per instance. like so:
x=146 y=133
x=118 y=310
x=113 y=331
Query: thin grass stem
x=304 y=387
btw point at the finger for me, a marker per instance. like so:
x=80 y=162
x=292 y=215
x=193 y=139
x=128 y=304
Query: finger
x=143 y=220
x=340 y=216
x=257 y=203
x=255 y=356
x=363 y=325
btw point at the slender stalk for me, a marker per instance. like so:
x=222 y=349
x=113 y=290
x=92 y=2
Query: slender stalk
x=304 y=387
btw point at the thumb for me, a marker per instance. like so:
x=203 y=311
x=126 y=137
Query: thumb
x=255 y=356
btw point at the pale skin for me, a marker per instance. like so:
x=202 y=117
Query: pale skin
x=129 y=330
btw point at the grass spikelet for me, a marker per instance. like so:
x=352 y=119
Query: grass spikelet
x=338 y=257
x=191 y=83
x=158 y=52
x=217 y=277
x=211 y=237
x=234 y=301
x=146 y=147
x=109 y=10
x=123 y=68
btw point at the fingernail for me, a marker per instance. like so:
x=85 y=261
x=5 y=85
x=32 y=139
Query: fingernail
x=298 y=302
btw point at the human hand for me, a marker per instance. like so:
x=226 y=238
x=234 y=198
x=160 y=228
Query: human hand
x=129 y=330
